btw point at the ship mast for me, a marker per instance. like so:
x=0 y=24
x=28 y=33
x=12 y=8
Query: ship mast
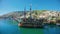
x=25 y=13
x=30 y=10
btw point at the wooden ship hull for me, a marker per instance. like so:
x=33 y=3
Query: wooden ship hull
x=30 y=25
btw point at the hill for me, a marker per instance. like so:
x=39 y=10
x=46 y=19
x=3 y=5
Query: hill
x=35 y=14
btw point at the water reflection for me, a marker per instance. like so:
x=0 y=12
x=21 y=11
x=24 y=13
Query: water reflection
x=11 y=27
x=52 y=30
x=46 y=30
x=31 y=30
x=6 y=28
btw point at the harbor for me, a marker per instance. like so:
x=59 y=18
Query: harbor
x=7 y=27
x=38 y=22
x=29 y=16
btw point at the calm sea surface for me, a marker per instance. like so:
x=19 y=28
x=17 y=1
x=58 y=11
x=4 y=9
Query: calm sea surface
x=8 y=26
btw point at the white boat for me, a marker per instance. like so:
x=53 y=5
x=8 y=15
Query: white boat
x=58 y=24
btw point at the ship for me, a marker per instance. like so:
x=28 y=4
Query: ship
x=31 y=22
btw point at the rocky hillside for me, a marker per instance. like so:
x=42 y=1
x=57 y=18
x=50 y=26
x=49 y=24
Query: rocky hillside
x=16 y=14
x=35 y=13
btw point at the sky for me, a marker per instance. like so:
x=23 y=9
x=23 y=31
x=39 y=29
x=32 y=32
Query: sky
x=7 y=6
